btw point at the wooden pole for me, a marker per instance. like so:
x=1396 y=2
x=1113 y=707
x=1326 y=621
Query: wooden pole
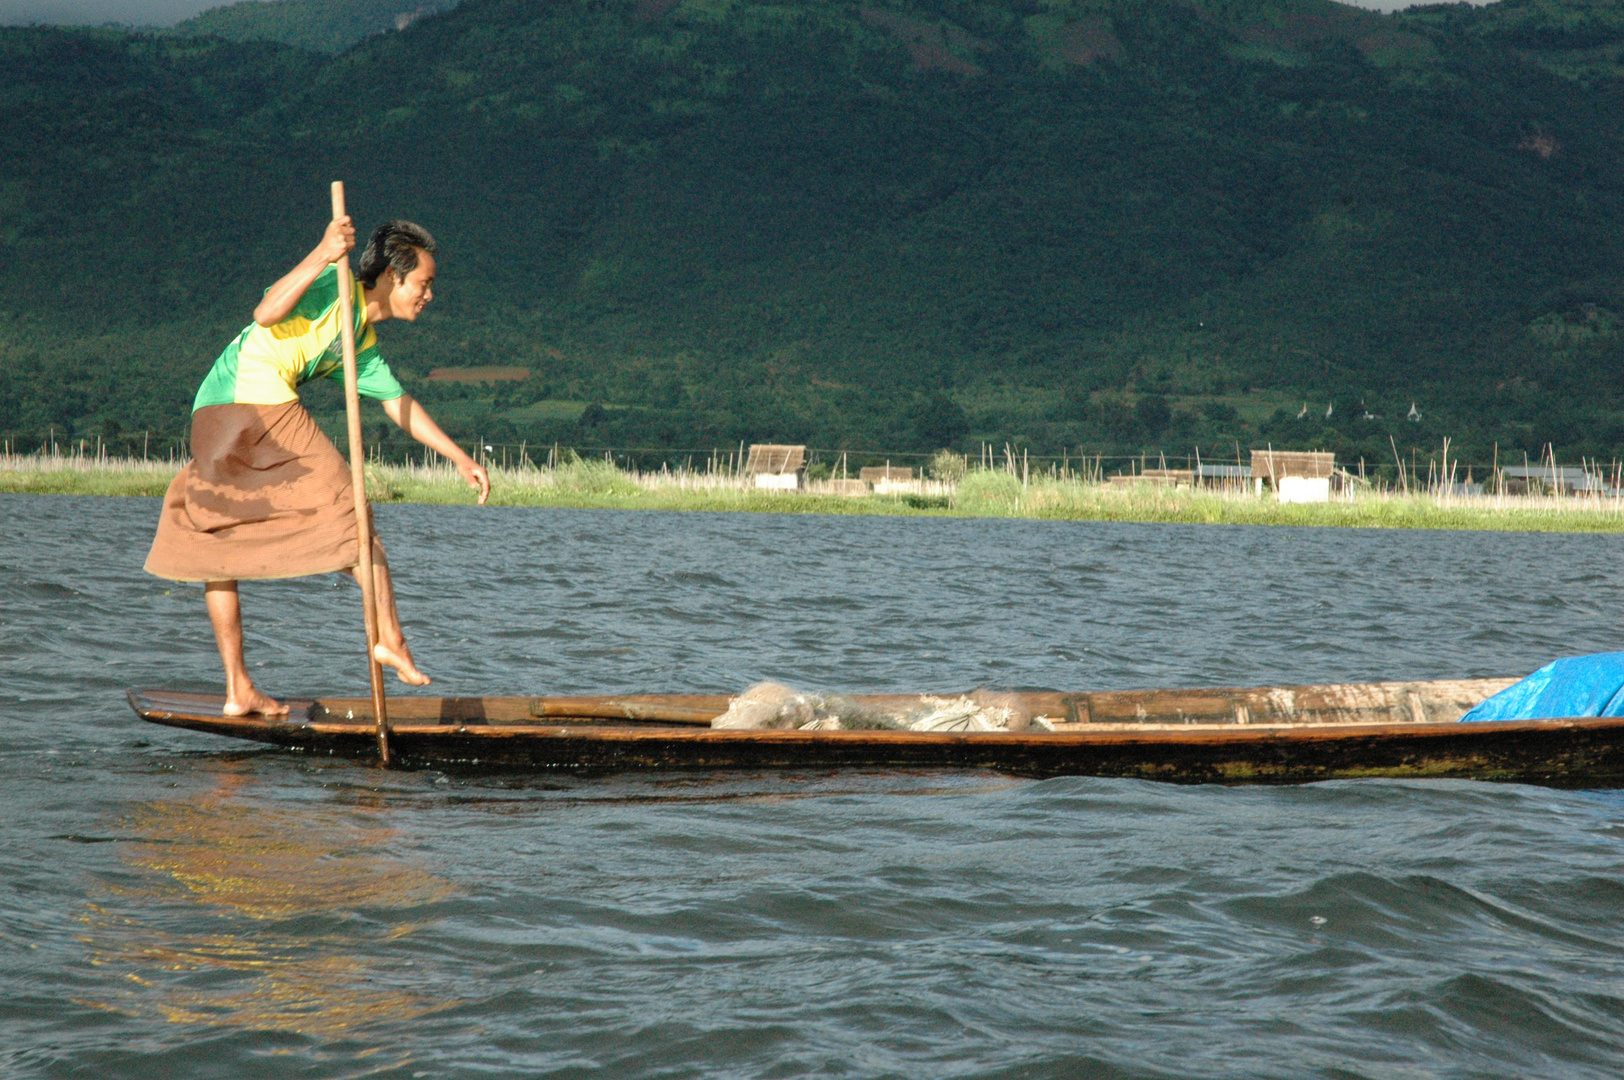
x=358 y=481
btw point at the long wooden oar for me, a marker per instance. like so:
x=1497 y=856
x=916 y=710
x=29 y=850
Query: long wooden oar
x=358 y=481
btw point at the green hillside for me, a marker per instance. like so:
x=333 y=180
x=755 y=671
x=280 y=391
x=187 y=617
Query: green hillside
x=322 y=25
x=1120 y=226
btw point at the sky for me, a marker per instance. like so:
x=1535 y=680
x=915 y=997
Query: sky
x=169 y=12
x=96 y=12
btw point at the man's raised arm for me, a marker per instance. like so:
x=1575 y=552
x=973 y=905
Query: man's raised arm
x=281 y=298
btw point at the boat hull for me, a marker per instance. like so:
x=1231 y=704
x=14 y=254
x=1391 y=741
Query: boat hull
x=671 y=732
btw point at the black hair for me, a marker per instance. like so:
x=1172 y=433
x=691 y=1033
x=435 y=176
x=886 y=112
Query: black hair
x=394 y=246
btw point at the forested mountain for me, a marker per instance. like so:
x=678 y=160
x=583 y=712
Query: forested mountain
x=1110 y=223
x=322 y=25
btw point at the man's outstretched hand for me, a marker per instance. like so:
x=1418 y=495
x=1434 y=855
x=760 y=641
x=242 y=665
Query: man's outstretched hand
x=477 y=477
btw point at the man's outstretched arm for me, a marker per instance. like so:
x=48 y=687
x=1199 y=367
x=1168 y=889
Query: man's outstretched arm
x=415 y=421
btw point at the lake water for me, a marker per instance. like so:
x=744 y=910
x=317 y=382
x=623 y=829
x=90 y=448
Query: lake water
x=174 y=905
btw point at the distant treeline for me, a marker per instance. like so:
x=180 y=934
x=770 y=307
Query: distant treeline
x=1117 y=225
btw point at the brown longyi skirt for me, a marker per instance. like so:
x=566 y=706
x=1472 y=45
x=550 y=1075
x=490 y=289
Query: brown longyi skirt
x=266 y=495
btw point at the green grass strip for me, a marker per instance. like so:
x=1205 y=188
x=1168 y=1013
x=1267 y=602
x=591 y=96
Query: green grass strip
x=984 y=494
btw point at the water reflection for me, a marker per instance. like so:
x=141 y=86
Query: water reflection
x=300 y=899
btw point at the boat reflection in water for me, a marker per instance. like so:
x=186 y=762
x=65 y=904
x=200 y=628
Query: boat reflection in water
x=279 y=888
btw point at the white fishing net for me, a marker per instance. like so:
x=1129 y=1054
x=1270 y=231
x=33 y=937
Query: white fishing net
x=772 y=705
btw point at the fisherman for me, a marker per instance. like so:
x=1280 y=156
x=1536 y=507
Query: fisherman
x=266 y=494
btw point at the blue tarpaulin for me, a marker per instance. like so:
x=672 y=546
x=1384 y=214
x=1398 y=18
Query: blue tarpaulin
x=1575 y=686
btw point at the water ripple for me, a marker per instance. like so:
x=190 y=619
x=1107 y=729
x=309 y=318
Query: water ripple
x=177 y=907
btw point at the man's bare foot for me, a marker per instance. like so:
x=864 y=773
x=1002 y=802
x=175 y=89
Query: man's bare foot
x=405 y=670
x=254 y=702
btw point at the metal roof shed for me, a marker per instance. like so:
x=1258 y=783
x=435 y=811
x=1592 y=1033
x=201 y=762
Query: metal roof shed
x=1272 y=466
x=776 y=466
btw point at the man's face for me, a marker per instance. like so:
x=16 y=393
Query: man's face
x=411 y=294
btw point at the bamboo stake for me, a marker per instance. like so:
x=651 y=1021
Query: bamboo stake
x=358 y=481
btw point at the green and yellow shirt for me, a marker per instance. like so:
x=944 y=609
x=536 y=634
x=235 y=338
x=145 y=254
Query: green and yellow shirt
x=267 y=364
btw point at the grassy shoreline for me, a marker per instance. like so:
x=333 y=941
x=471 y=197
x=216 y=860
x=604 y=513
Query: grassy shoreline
x=983 y=493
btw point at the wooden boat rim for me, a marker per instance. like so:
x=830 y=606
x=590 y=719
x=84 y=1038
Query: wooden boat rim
x=633 y=731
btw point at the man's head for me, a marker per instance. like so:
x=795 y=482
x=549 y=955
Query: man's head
x=397 y=269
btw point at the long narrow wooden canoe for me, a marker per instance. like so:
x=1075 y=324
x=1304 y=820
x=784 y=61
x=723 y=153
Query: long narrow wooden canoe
x=1292 y=734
